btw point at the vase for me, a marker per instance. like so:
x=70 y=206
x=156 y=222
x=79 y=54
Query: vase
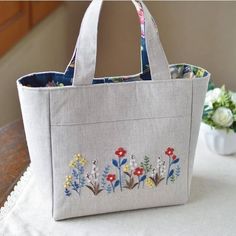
x=220 y=141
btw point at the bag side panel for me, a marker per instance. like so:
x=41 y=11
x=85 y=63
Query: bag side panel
x=199 y=93
x=35 y=113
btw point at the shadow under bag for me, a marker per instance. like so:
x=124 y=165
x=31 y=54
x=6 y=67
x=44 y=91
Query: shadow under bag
x=101 y=145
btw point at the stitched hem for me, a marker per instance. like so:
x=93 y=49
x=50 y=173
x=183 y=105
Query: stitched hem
x=114 y=121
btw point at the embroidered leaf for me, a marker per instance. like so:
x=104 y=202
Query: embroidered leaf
x=75 y=174
x=116 y=183
x=104 y=175
x=127 y=173
x=143 y=178
x=123 y=162
x=67 y=192
x=96 y=189
x=114 y=162
x=160 y=179
x=171 y=173
x=172 y=178
x=89 y=187
x=134 y=185
x=177 y=171
x=131 y=181
x=127 y=183
x=153 y=180
x=146 y=165
x=75 y=186
x=175 y=161
x=108 y=188
x=100 y=190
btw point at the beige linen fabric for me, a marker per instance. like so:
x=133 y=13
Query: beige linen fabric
x=144 y=117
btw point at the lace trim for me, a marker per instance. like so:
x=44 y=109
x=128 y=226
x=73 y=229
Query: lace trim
x=15 y=194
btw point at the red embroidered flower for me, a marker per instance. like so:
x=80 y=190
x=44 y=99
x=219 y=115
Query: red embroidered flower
x=138 y=171
x=169 y=151
x=120 y=152
x=111 y=177
x=174 y=157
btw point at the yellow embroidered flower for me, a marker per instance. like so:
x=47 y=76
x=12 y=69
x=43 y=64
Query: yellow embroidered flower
x=77 y=157
x=68 y=178
x=68 y=181
x=82 y=161
x=72 y=164
x=149 y=182
x=126 y=168
x=67 y=184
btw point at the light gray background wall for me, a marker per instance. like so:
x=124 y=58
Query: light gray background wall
x=201 y=33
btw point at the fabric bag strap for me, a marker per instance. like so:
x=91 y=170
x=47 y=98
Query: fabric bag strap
x=69 y=71
x=86 y=46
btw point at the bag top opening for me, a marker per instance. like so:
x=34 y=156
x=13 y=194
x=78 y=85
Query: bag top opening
x=57 y=79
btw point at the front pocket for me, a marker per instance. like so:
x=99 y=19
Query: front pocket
x=122 y=165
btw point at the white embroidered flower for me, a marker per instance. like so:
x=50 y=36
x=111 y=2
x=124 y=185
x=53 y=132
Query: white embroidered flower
x=159 y=162
x=94 y=175
x=223 y=117
x=154 y=171
x=163 y=169
x=212 y=96
x=233 y=98
x=133 y=164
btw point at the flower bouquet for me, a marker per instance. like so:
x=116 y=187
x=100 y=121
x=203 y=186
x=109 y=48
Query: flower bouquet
x=219 y=120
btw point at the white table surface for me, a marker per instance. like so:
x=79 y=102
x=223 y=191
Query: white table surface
x=210 y=211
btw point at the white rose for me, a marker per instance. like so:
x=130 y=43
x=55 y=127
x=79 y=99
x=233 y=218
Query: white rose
x=223 y=117
x=233 y=98
x=212 y=96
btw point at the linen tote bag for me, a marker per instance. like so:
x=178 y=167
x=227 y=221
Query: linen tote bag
x=101 y=145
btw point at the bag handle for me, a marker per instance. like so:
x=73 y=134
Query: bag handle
x=144 y=62
x=86 y=46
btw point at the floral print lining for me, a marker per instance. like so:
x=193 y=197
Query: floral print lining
x=122 y=174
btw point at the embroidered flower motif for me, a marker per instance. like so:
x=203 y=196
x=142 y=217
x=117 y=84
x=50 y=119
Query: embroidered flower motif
x=120 y=152
x=111 y=177
x=83 y=161
x=173 y=171
x=169 y=151
x=78 y=158
x=149 y=182
x=93 y=179
x=128 y=175
x=68 y=181
x=76 y=180
x=138 y=171
x=126 y=168
x=133 y=163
